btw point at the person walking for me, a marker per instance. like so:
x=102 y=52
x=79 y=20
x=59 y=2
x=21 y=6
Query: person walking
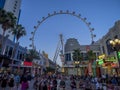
x=62 y=84
x=4 y=82
x=17 y=81
x=24 y=85
x=73 y=84
x=11 y=82
x=54 y=83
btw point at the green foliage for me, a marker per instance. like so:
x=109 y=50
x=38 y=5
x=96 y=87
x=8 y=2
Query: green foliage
x=32 y=54
x=118 y=54
x=77 y=55
x=7 y=20
x=18 y=31
x=91 y=56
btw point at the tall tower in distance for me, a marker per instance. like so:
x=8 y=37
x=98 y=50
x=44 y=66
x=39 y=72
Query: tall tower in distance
x=11 y=6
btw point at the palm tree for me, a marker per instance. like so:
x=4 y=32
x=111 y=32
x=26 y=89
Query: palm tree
x=7 y=21
x=77 y=57
x=32 y=54
x=18 y=32
x=91 y=57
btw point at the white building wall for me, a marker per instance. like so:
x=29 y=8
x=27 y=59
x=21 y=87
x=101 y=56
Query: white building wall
x=14 y=7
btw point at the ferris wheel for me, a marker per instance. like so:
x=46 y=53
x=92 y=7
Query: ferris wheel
x=84 y=19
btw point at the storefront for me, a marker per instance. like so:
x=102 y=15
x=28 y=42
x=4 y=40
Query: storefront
x=26 y=67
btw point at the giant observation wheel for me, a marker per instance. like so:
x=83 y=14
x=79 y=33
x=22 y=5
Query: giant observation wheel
x=84 y=19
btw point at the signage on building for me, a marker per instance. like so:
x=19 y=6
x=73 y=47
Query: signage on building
x=111 y=59
x=25 y=63
x=87 y=48
x=114 y=64
x=100 y=61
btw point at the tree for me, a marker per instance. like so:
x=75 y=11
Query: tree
x=7 y=21
x=77 y=55
x=32 y=54
x=91 y=57
x=19 y=31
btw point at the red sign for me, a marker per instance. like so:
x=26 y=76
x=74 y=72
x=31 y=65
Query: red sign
x=27 y=63
x=114 y=65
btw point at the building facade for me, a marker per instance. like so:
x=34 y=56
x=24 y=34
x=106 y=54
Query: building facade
x=9 y=59
x=113 y=33
x=70 y=46
x=100 y=47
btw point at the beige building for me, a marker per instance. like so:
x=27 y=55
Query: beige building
x=69 y=66
x=101 y=46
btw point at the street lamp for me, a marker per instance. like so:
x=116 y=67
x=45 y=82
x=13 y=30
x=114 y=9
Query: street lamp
x=116 y=47
x=77 y=65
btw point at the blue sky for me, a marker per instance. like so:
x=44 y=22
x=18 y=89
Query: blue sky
x=101 y=13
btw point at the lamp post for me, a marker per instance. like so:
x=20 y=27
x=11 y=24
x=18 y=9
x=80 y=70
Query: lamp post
x=77 y=65
x=116 y=47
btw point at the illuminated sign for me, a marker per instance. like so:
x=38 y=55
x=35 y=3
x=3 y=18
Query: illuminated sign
x=114 y=65
x=102 y=56
x=113 y=59
x=100 y=61
x=25 y=63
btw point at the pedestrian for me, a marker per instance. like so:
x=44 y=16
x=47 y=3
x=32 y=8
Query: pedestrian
x=73 y=84
x=54 y=83
x=62 y=84
x=11 y=82
x=48 y=83
x=43 y=84
x=81 y=84
x=17 y=80
x=4 y=82
x=24 y=85
x=35 y=84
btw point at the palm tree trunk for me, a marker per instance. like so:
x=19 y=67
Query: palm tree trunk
x=14 y=53
x=90 y=72
x=2 y=47
x=2 y=41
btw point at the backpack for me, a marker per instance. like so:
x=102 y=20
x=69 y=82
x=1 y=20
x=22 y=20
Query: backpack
x=62 y=83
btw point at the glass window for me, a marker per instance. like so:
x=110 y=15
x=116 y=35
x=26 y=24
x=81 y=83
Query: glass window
x=68 y=57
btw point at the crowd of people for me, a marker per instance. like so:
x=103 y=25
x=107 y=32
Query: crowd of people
x=59 y=82
x=15 y=81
